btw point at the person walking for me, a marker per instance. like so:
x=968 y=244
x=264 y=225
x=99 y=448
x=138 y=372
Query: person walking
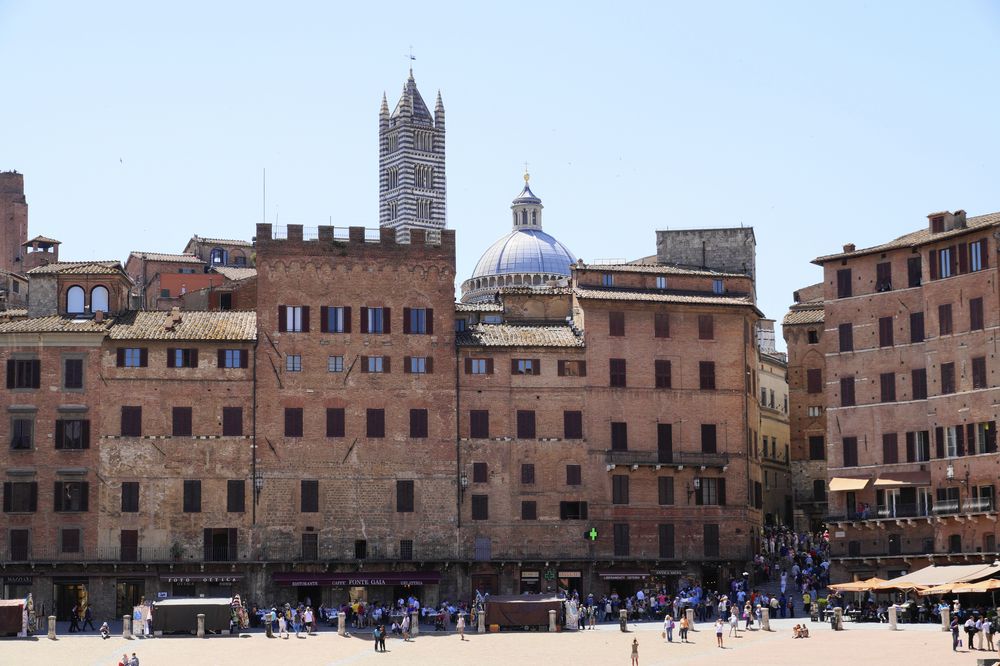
x=377 y=635
x=668 y=628
x=954 y=634
x=460 y=626
x=74 y=619
x=282 y=625
x=718 y=631
x=635 y=652
x=307 y=619
x=685 y=625
x=88 y=618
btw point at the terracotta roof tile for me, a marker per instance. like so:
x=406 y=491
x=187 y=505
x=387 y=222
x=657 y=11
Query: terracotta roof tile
x=915 y=238
x=79 y=268
x=803 y=315
x=513 y=335
x=222 y=241
x=659 y=269
x=53 y=324
x=658 y=296
x=235 y=273
x=478 y=307
x=231 y=325
x=161 y=256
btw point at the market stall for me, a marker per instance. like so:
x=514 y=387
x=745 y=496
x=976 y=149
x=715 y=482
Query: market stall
x=181 y=615
x=525 y=610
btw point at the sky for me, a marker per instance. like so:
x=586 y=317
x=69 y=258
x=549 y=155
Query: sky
x=137 y=125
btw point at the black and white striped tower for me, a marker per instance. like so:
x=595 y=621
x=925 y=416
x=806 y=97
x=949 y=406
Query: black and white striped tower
x=411 y=164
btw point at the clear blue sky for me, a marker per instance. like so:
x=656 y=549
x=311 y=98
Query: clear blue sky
x=816 y=123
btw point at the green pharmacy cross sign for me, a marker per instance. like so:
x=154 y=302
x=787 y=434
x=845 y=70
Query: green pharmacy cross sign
x=591 y=534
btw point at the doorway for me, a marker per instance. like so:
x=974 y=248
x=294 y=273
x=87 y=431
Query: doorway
x=128 y=592
x=69 y=594
x=485 y=584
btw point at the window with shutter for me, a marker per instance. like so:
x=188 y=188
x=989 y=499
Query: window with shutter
x=479 y=424
x=525 y=424
x=706 y=327
x=918 y=380
x=914 y=270
x=661 y=325
x=235 y=496
x=947 y=378
x=232 y=421
x=192 y=496
x=847 y=391
x=844 y=287
x=529 y=510
x=293 y=422
x=846 y=335
x=418 y=423
x=617 y=372
x=619 y=436
x=944 y=319
x=979 y=372
x=572 y=424
x=619 y=489
x=885 y=332
x=309 y=496
x=527 y=474
x=666 y=541
x=375 y=422
x=335 y=422
x=665 y=490
x=480 y=507
x=976 y=314
x=404 y=496
x=574 y=475
x=616 y=324
x=181 y=420
x=706 y=375
x=131 y=423
x=890 y=448
x=621 y=539
x=887 y=386
x=73 y=373
x=850 y=446
x=708 y=438
x=916 y=327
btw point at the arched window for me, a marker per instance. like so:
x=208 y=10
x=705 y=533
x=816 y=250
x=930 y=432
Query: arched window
x=524 y=216
x=74 y=299
x=219 y=257
x=393 y=178
x=99 y=299
x=534 y=218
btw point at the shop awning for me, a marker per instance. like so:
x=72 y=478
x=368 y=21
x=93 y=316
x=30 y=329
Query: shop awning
x=201 y=578
x=934 y=575
x=903 y=479
x=357 y=578
x=839 y=484
x=623 y=574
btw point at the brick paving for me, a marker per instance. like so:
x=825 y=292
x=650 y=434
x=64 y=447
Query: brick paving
x=863 y=644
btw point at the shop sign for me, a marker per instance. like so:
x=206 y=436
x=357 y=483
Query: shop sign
x=201 y=579
x=18 y=580
x=569 y=574
x=550 y=574
x=162 y=595
x=667 y=572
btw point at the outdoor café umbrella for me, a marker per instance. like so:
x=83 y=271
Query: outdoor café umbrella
x=941 y=589
x=988 y=585
x=858 y=585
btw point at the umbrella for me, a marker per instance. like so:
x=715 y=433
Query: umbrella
x=941 y=589
x=987 y=585
x=858 y=585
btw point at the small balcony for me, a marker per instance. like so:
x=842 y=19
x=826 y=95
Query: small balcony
x=657 y=459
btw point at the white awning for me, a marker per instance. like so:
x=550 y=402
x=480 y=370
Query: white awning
x=839 y=484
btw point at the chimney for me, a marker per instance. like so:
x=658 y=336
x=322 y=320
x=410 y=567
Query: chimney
x=960 y=222
x=849 y=247
x=99 y=316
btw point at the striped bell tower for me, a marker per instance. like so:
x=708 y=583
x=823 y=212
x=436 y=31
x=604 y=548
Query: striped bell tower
x=411 y=164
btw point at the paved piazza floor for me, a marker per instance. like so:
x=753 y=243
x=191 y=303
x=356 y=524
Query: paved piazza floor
x=858 y=644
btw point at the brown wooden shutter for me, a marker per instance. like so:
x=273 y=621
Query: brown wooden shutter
x=963 y=257
x=85 y=434
x=364 y=364
x=536 y=366
x=324 y=315
x=911 y=447
x=489 y=366
x=960 y=440
x=468 y=366
x=513 y=366
x=721 y=485
x=207 y=543
x=984 y=253
x=221 y=358
x=430 y=364
x=561 y=368
x=933 y=258
x=430 y=321
x=970 y=437
x=60 y=431
x=84 y=496
x=954 y=259
x=194 y=358
x=347 y=319
x=8 y=496
x=583 y=368
x=244 y=358
x=282 y=318
x=364 y=319
x=119 y=361
x=406 y=365
x=171 y=357
x=143 y=358
x=386 y=364
x=939 y=439
x=305 y=318
x=406 y=320
x=387 y=320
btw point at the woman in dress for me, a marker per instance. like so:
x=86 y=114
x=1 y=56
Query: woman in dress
x=635 y=652
x=460 y=625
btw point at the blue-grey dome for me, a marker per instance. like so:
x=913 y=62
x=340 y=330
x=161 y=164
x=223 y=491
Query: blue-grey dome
x=525 y=251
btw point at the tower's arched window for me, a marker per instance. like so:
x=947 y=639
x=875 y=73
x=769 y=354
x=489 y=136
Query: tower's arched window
x=524 y=216
x=393 y=178
x=74 y=299
x=99 y=299
x=392 y=210
x=393 y=142
x=534 y=218
x=219 y=257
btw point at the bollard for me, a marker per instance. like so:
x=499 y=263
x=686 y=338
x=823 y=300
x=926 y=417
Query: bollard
x=201 y=625
x=765 y=619
x=414 y=624
x=52 y=627
x=552 y=620
x=127 y=627
x=945 y=619
x=341 y=623
x=689 y=612
x=481 y=624
x=623 y=619
x=838 y=619
x=892 y=618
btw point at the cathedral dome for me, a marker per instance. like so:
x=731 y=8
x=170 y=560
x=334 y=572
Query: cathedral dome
x=525 y=251
x=527 y=256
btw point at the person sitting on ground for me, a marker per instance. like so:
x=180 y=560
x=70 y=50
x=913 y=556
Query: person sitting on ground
x=105 y=631
x=803 y=631
x=796 y=632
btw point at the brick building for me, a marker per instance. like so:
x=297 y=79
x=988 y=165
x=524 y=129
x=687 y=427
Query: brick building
x=910 y=394
x=359 y=434
x=772 y=373
x=802 y=328
x=13 y=221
